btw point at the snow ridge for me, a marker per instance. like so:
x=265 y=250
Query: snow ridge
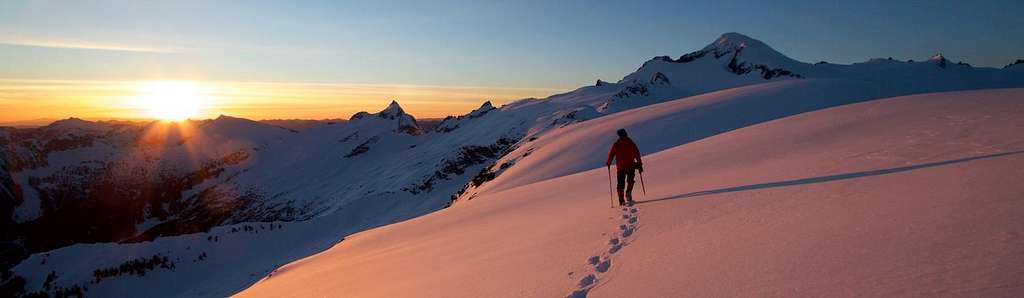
x=329 y=181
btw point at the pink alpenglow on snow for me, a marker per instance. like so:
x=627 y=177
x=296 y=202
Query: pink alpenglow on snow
x=908 y=196
x=762 y=176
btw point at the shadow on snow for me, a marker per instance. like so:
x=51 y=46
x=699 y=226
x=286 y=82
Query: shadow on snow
x=829 y=178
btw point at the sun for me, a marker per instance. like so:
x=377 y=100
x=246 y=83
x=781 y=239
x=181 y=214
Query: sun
x=172 y=100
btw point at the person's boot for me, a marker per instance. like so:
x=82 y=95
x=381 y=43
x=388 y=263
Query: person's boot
x=621 y=200
x=629 y=198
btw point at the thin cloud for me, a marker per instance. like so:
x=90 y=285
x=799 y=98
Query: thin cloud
x=82 y=45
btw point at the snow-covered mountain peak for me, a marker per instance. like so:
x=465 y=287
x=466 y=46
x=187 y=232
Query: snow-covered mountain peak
x=731 y=60
x=729 y=48
x=748 y=49
x=487 y=105
x=733 y=40
x=939 y=60
x=392 y=111
x=220 y=175
x=483 y=109
x=451 y=123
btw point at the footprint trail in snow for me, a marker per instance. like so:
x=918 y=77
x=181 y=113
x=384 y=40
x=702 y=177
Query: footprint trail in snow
x=601 y=263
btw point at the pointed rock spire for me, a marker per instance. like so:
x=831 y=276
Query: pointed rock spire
x=393 y=110
x=484 y=108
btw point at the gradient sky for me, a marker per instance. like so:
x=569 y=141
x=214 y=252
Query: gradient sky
x=420 y=50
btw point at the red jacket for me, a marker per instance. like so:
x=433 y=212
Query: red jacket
x=626 y=154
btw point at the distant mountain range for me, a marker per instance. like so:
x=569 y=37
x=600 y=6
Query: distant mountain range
x=138 y=184
x=294 y=124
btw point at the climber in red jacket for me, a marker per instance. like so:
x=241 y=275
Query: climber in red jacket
x=627 y=162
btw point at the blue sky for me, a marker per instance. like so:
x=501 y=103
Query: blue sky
x=330 y=59
x=543 y=44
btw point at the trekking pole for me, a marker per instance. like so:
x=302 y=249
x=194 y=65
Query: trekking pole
x=610 y=196
x=642 y=184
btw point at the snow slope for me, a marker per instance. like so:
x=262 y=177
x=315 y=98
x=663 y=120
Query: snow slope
x=674 y=123
x=758 y=82
x=908 y=196
x=343 y=177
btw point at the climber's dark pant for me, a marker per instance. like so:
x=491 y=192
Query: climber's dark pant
x=623 y=176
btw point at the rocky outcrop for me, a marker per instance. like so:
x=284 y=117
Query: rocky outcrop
x=467 y=156
x=580 y=114
x=1018 y=62
x=691 y=56
x=452 y=123
x=660 y=79
x=740 y=67
x=633 y=89
x=362 y=148
x=485 y=108
x=770 y=73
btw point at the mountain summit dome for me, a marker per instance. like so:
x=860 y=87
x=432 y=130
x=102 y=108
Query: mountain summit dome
x=733 y=40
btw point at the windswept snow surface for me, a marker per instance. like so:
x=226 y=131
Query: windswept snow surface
x=562 y=151
x=339 y=178
x=908 y=196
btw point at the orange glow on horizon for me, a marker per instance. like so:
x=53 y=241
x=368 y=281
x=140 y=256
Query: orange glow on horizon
x=25 y=100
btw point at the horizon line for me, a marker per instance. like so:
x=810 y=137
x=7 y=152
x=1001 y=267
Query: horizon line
x=47 y=121
x=293 y=83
